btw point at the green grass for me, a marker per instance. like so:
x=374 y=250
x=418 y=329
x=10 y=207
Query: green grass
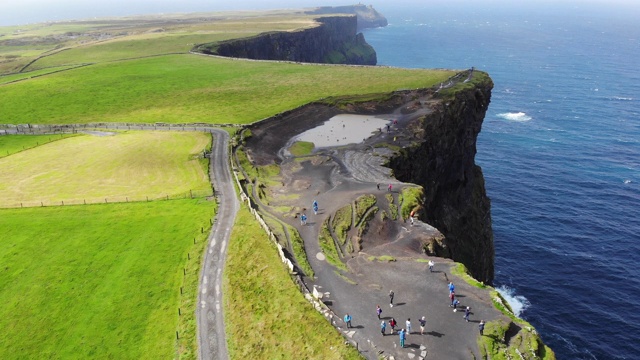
x=297 y=243
x=328 y=247
x=266 y=315
x=383 y=258
x=301 y=148
x=11 y=144
x=411 y=200
x=130 y=165
x=461 y=271
x=192 y=89
x=341 y=223
x=96 y=281
x=364 y=203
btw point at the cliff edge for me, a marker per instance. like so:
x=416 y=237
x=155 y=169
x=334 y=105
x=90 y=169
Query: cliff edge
x=367 y=16
x=443 y=163
x=334 y=41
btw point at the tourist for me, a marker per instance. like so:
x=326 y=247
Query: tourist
x=392 y=325
x=452 y=297
x=481 y=327
x=408 y=323
x=378 y=311
x=455 y=305
x=390 y=187
x=451 y=287
x=303 y=219
x=403 y=337
x=467 y=311
x=431 y=265
x=423 y=324
x=391 y=295
x=347 y=320
x=383 y=327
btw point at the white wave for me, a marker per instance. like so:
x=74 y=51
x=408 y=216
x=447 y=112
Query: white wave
x=627 y=181
x=620 y=98
x=518 y=303
x=518 y=116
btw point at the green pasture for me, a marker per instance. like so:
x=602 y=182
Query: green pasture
x=127 y=166
x=97 y=281
x=266 y=316
x=11 y=144
x=191 y=88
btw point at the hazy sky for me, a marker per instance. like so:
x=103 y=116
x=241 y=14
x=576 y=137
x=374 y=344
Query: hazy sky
x=15 y=12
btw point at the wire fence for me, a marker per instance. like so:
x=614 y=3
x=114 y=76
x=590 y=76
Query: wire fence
x=191 y=194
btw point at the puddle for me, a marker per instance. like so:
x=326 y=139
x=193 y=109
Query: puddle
x=345 y=129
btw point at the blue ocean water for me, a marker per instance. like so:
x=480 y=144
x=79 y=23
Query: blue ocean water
x=560 y=150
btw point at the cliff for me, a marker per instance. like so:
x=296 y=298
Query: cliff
x=443 y=162
x=333 y=41
x=367 y=16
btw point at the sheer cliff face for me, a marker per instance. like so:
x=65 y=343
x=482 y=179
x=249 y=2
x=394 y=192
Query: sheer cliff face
x=334 y=41
x=368 y=17
x=443 y=163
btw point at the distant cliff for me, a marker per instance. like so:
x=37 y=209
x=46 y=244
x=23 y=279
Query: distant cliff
x=334 y=41
x=367 y=16
x=444 y=164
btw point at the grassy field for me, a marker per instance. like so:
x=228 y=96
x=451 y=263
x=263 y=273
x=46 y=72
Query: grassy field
x=266 y=315
x=96 y=281
x=76 y=42
x=12 y=144
x=191 y=88
x=92 y=168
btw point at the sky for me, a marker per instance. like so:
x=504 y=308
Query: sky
x=20 y=12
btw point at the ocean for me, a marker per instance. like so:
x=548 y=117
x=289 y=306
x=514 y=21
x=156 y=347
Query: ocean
x=560 y=151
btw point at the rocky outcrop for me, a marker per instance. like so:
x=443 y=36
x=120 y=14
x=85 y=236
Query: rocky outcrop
x=333 y=41
x=368 y=17
x=443 y=163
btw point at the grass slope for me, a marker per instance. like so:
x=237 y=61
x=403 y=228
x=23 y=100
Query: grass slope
x=191 y=88
x=92 y=168
x=95 y=281
x=266 y=316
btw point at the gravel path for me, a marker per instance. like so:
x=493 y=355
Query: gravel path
x=209 y=312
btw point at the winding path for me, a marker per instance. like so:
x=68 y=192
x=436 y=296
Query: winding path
x=209 y=310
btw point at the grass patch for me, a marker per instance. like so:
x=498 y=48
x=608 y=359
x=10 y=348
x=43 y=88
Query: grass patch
x=393 y=208
x=504 y=340
x=265 y=313
x=102 y=280
x=461 y=271
x=328 y=247
x=129 y=166
x=27 y=75
x=297 y=243
x=341 y=223
x=383 y=258
x=364 y=203
x=301 y=148
x=364 y=225
x=411 y=199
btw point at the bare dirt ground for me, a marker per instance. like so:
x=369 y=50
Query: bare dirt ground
x=337 y=176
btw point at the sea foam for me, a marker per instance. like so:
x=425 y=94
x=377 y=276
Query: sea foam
x=517 y=116
x=518 y=303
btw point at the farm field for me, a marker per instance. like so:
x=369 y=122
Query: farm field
x=97 y=281
x=127 y=166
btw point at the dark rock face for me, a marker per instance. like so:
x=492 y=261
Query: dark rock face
x=335 y=42
x=368 y=17
x=444 y=164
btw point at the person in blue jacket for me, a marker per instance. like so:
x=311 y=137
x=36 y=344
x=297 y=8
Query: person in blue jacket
x=383 y=327
x=403 y=337
x=347 y=320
